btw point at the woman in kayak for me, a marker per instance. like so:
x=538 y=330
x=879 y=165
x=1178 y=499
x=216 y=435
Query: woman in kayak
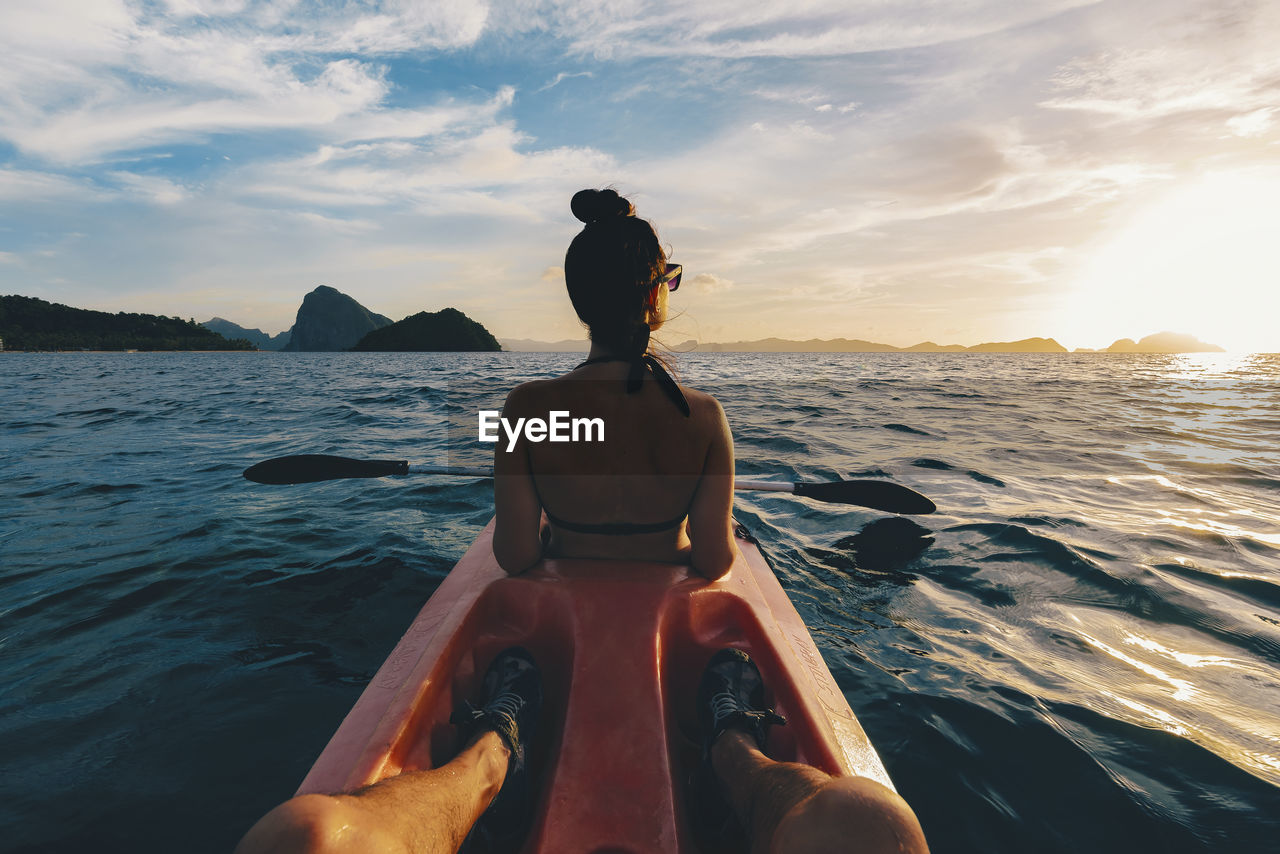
x=658 y=487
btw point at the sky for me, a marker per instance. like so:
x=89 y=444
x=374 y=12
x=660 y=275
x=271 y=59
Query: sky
x=899 y=171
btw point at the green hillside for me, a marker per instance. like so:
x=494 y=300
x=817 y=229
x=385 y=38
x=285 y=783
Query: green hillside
x=28 y=323
x=444 y=330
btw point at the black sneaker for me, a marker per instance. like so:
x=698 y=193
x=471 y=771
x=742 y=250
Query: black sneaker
x=511 y=701
x=730 y=696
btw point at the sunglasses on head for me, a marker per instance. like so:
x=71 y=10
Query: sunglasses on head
x=671 y=278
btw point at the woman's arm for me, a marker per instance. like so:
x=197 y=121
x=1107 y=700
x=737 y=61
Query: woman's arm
x=711 y=513
x=517 y=541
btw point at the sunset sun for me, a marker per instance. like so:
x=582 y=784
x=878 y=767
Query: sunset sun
x=1202 y=259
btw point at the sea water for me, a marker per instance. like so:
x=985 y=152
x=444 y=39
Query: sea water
x=1079 y=651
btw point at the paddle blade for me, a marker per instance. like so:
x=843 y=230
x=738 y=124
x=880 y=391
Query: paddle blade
x=309 y=468
x=876 y=494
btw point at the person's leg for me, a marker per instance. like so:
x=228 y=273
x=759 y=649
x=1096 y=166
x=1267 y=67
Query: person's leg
x=423 y=812
x=785 y=806
x=797 y=809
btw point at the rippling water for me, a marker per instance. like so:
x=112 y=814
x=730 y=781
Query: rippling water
x=1080 y=650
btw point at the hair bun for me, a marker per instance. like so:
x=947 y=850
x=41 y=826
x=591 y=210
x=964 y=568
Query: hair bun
x=593 y=205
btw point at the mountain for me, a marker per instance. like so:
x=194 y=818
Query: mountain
x=930 y=347
x=447 y=329
x=256 y=337
x=579 y=345
x=846 y=345
x=329 y=320
x=1026 y=345
x=1161 y=342
x=28 y=323
x=813 y=345
x=1164 y=342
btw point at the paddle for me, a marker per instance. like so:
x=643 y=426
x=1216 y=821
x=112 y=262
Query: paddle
x=309 y=468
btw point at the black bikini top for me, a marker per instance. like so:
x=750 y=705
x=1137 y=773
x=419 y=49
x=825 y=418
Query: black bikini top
x=635 y=378
x=634 y=381
x=616 y=528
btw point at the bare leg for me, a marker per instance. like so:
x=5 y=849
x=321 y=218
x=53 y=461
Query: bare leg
x=796 y=809
x=418 y=812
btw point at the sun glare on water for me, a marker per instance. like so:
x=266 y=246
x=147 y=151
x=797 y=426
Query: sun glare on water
x=1202 y=260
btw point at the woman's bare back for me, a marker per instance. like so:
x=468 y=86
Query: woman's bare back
x=652 y=466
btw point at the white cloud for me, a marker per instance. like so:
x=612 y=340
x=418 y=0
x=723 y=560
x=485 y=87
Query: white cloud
x=563 y=76
x=480 y=171
x=790 y=94
x=736 y=29
x=933 y=183
x=709 y=283
x=151 y=188
x=1253 y=124
x=344 y=226
x=1217 y=58
x=82 y=81
x=30 y=186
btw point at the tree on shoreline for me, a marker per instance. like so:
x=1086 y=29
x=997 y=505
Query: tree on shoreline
x=29 y=323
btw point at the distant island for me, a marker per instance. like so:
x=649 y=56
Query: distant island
x=29 y=323
x=327 y=321
x=256 y=337
x=845 y=345
x=445 y=330
x=1161 y=342
x=330 y=321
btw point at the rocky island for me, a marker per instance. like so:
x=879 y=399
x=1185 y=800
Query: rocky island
x=329 y=320
x=444 y=330
x=1161 y=342
x=256 y=337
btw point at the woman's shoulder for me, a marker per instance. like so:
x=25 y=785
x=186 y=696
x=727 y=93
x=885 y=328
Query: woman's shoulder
x=526 y=395
x=703 y=406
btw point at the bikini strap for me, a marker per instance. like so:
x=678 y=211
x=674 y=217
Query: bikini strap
x=635 y=377
x=614 y=528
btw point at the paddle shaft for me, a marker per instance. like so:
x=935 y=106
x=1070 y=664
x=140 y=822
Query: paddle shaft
x=310 y=468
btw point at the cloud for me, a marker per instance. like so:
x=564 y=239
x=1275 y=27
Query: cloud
x=1253 y=124
x=151 y=188
x=563 y=76
x=32 y=186
x=334 y=224
x=555 y=275
x=477 y=171
x=1216 y=59
x=82 y=81
x=731 y=29
x=709 y=283
x=810 y=153
x=110 y=124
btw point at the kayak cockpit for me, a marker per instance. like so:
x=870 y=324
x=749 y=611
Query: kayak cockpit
x=621 y=647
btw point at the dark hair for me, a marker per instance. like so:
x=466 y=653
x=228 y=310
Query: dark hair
x=611 y=269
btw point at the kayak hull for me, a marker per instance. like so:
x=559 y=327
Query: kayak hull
x=621 y=646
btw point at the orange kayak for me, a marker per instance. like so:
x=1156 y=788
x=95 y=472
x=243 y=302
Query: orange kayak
x=621 y=646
